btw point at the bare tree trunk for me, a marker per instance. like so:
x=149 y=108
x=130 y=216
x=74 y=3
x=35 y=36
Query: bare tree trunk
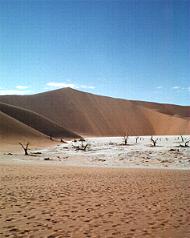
x=125 y=139
x=137 y=139
x=25 y=148
x=186 y=143
x=154 y=141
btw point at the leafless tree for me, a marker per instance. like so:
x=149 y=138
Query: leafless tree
x=125 y=138
x=185 y=142
x=136 y=139
x=154 y=141
x=182 y=139
x=82 y=140
x=25 y=148
x=82 y=146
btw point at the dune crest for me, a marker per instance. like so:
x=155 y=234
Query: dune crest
x=89 y=114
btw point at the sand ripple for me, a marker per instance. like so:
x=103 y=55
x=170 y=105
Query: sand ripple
x=43 y=201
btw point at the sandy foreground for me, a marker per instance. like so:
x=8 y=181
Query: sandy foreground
x=47 y=200
x=110 y=190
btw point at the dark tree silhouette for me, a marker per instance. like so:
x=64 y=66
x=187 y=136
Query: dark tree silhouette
x=136 y=139
x=154 y=141
x=125 y=138
x=25 y=148
x=185 y=143
x=82 y=146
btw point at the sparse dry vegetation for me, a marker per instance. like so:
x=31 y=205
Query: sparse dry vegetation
x=81 y=144
x=125 y=139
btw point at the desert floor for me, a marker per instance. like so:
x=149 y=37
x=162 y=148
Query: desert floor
x=47 y=200
x=108 y=152
x=110 y=190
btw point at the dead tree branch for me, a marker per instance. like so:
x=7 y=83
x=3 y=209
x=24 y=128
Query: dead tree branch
x=25 y=148
x=182 y=139
x=125 y=138
x=80 y=146
x=136 y=139
x=185 y=143
x=154 y=141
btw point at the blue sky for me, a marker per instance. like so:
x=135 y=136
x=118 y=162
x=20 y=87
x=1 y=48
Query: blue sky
x=128 y=49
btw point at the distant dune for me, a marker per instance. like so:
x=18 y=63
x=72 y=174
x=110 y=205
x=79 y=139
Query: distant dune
x=88 y=114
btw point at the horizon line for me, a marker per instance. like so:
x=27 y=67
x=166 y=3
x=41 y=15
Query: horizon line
x=99 y=95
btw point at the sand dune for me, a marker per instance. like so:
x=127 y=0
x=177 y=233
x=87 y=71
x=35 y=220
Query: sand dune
x=169 y=109
x=36 y=121
x=13 y=130
x=164 y=124
x=93 y=115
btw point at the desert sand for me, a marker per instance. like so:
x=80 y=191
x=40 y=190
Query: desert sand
x=46 y=200
x=92 y=115
x=107 y=190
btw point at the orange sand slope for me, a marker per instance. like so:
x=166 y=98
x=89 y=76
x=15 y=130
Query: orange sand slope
x=93 y=115
x=39 y=201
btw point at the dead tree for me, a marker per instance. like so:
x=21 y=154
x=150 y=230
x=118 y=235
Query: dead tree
x=182 y=139
x=80 y=146
x=136 y=139
x=82 y=140
x=185 y=143
x=25 y=148
x=125 y=138
x=154 y=141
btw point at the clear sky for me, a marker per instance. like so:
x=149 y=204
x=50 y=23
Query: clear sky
x=127 y=49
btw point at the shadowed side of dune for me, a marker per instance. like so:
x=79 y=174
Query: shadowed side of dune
x=12 y=129
x=37 y=122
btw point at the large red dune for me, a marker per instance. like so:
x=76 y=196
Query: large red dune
x=93 y=115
